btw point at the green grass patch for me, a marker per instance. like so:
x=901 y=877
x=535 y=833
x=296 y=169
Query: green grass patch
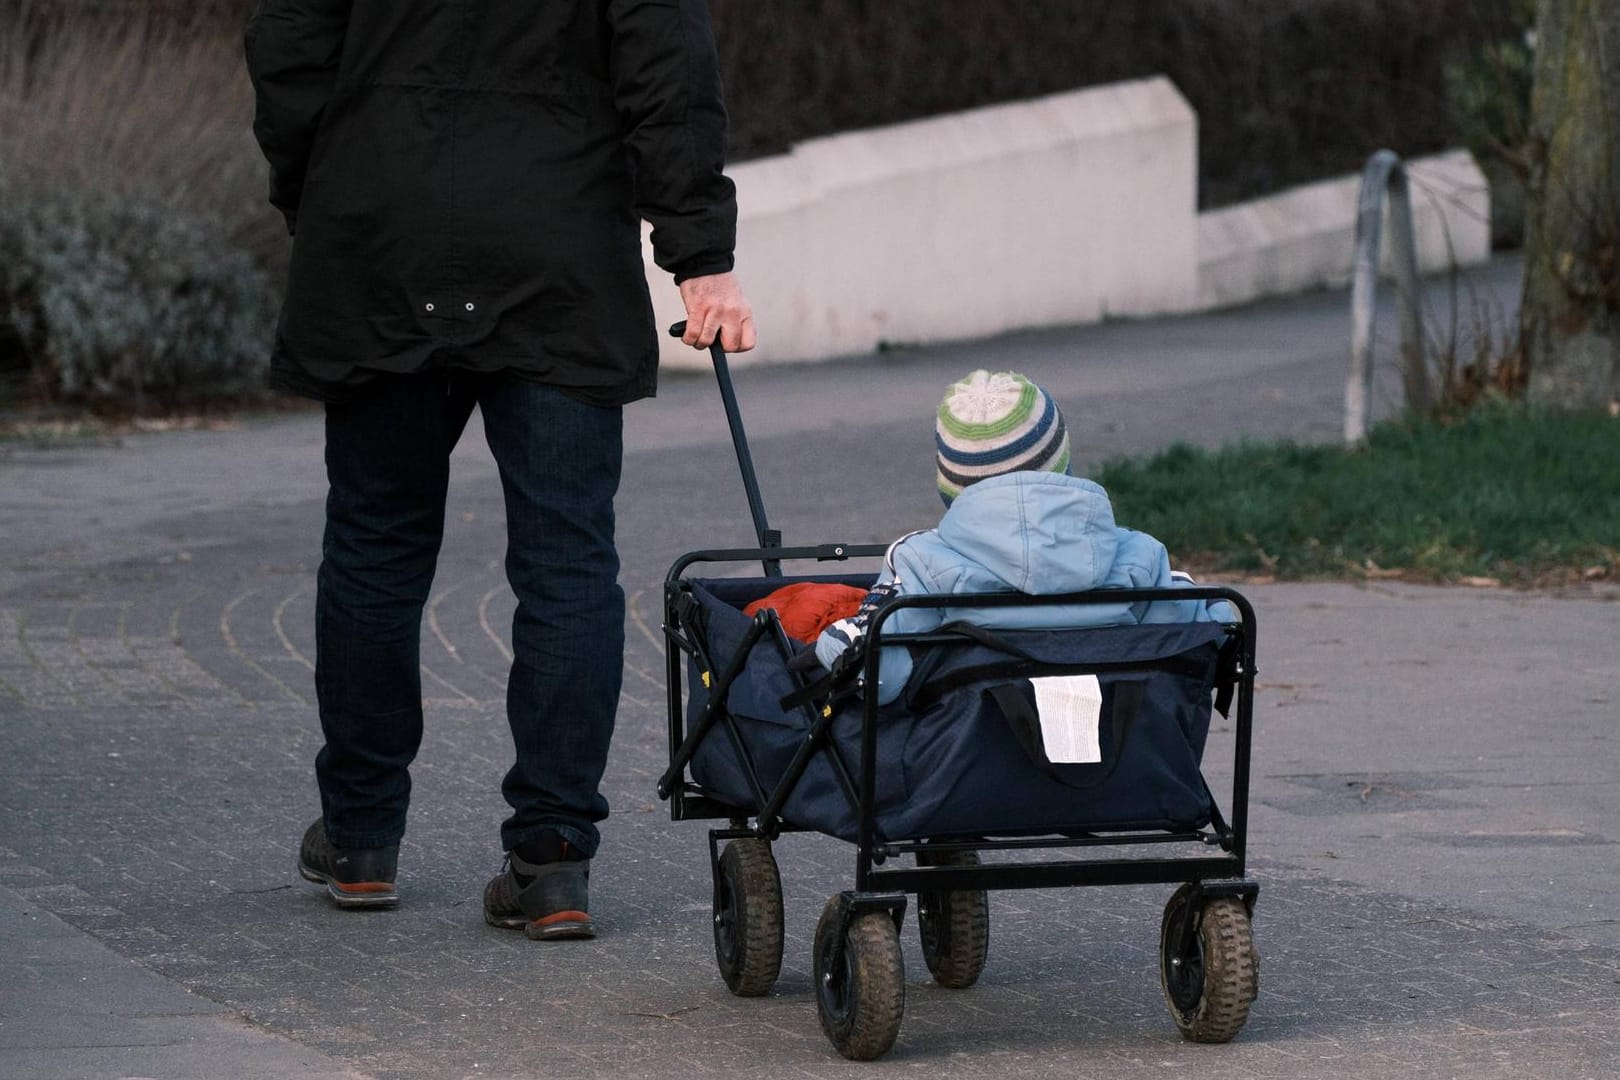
x=1519 y=495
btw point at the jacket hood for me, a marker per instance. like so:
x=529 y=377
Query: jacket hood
x=1039 y=532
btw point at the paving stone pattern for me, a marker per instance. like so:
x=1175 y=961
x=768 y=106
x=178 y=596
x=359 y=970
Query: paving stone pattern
x=155 y=774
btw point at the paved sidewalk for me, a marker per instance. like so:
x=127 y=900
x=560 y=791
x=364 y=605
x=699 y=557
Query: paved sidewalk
x=1436 y=805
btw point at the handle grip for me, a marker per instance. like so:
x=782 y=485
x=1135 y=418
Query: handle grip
x=678 y=330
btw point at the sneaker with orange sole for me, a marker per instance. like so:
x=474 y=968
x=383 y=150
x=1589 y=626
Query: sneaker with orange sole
x=354 y=877
x=547 y=899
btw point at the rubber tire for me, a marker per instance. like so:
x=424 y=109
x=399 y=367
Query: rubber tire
x=1210 y=992
x=748 y=917
x=954 y=925
x=860 y=1004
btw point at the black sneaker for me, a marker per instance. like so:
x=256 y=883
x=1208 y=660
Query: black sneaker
x=354 y=877
x=542 y=890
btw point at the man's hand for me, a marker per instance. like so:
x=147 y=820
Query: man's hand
x=715 y=305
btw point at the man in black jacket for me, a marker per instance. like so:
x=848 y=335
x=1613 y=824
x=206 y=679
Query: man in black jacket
x=465 y=183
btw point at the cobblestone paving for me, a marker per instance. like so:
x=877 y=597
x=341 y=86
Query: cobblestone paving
x=156 y=738
x=156 y=771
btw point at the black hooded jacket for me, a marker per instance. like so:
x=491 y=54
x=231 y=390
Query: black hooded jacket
x=465 y=181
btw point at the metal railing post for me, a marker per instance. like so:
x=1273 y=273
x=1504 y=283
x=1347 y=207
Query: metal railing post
x=1383 y=173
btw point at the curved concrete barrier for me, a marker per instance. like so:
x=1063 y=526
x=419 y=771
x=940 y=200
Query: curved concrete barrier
x=1305 y=238
x=1065 y=209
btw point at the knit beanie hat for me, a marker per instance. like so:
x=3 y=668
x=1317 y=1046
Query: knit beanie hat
x=997 y=422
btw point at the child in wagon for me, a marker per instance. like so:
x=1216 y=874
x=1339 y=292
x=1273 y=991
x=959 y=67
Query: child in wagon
x=1014 y=520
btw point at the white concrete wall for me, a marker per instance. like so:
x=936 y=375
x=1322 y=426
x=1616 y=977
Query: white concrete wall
x=1304 y=238
x=1060 y=210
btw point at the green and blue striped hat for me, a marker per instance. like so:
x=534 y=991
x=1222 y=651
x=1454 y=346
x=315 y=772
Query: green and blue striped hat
x=997 y=422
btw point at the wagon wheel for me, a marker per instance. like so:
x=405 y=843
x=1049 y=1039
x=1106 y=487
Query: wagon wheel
x=861 y=998
x=1210 y=983
x=954 y=925
x=748 y=917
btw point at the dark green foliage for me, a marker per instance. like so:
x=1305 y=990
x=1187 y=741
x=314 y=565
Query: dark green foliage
x=112 y=299
x=1489 y=89
x=1504 y=492
x=1286 y=91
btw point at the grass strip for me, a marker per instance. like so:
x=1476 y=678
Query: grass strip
x=1507 y=494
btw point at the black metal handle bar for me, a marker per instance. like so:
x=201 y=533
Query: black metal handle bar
x=745 y=461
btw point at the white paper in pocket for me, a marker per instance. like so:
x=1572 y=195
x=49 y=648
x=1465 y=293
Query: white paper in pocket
x=1070 y=709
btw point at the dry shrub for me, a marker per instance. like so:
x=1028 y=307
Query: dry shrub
x=136 y=250
x=1478 y=359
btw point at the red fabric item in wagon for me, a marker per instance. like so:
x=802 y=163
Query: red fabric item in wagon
x=806 y=608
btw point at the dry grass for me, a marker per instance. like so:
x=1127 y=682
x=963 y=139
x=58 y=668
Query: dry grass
x=156 y=110
x=128 y=166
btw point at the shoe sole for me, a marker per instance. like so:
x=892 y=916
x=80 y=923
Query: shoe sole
x=563 y=926
x=353 y=894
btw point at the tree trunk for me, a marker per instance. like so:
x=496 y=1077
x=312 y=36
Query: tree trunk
x=1570 y=315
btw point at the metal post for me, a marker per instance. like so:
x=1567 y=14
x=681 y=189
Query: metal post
x=1384 y=173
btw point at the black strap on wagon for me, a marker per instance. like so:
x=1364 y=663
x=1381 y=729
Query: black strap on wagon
x=828 y=687
x=1225 y=665
x=844 y=677
x=768 y=537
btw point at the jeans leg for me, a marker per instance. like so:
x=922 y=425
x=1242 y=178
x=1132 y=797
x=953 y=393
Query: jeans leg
x=387 y=463
x=559 y=461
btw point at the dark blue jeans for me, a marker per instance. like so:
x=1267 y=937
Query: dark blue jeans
x=388 y=465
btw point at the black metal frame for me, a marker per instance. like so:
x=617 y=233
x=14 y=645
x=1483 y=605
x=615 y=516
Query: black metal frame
x=886 y=886
x=680 y=639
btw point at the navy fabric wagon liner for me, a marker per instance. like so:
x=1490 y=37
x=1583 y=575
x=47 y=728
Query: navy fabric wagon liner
x=950 y=760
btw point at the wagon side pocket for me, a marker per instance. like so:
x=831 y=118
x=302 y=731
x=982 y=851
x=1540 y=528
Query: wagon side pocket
x=1115 y=721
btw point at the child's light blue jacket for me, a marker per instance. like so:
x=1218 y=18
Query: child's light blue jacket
x=1034 y=532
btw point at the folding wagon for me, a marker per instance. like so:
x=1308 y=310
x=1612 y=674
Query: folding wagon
x=955 y=768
